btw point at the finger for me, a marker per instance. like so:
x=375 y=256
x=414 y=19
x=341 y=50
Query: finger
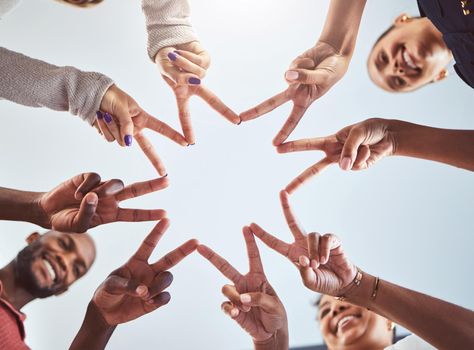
x=217 y=104
x=160 y=300
x=117 y=285
x=302 y=62
x=264 y=301
x=296 y=229
x=220 y=263
x=141 y=188
x=112 y=127
x=145 y=250
x=179 y=60
x=295 y=116
x=231 y=293
x=151 y=154
x=177 y=76
x=174 y=257
x=83 y=220
x=255 y=263
x=123 y=119
x=185 y=119
x=160 y=283
x=313 y=249
x=318 y=144
x=202 y=59
x=362 y=157
x=306 y=175
x=89 y=182
x=230 y=309
x=265 y=107
x=103 y=127
x=165 y=130
x=109 y=188
x=138 y=215
x=270 y=240
x=318 y=77
x=308 y=276
x=327 y=243
x=351 y=146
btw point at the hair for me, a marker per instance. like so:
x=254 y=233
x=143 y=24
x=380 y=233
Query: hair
x=83 y=5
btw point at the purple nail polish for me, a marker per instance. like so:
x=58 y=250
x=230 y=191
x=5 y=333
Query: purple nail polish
x=177 y=52
x=194 y=81
x=99 y=115
x=108 y=118
x=128 y=140
x=172 y=56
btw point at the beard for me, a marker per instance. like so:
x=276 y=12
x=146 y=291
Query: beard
x=25 y=274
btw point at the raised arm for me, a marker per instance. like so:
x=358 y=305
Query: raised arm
x=16 y=205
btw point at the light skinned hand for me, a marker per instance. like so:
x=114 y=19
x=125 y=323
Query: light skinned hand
x=322 y=263
x=84 y=201
x=121 y=118
x=310 y=76
x=183 y=67
x=137 y=287
x=252 y=302
x=356 y=147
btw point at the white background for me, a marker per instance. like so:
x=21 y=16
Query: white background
x=407 y=220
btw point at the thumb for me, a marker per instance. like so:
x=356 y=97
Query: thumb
x=82 y=221
x=266 y=302
x=117 y=285
x=351 y=147
x=307 y=76
x=308 y=276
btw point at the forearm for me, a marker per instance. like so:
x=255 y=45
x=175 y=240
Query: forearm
x=442 y=324
x=167 y=24
x=35 y=83
x=18 y=205
x=94 y=333
x=342 y=25
x=279 y=341
x=453 y=147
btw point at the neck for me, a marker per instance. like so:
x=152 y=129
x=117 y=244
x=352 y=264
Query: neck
x=12 y=291
x=437 y=35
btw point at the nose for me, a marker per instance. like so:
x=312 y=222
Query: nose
x=397 y=68
x=338 y=309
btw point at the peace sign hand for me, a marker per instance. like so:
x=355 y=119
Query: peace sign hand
x=83 y=202
x=252 y=303
x=137 y=288
x=182 y=67
x=310 y=76
x=322 y=263
x=355 y=147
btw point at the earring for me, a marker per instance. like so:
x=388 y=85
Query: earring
x=390 y=326
x=443 y=74
x=405 y=18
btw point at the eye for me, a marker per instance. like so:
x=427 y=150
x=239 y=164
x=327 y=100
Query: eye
x=323 y=313
x=77 y=271
x=399 y=82
x=383 y=57
x=62 y=243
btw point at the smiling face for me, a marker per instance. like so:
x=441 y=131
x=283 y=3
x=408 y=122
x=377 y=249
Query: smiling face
x=346 y=326
x=409 y=56
x=54 y=261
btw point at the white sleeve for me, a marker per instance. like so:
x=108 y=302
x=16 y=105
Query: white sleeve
x=6 y=6
x=412 y=342
x=167 y=24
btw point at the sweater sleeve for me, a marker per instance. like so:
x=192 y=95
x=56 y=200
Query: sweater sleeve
x=35 y=83
x=167 y=23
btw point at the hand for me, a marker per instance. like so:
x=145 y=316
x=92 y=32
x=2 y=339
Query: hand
x=183 y=67
x=136 y=288
x=322 y=263
x=83 y=202
x=120 y=118
x=355 y=147
x=252 y=303
x=310 y=76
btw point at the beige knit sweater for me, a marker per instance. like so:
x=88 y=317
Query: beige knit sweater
x=35 y=83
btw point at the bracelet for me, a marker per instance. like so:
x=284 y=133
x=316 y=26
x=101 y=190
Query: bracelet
x=376 y=288
x=355 y=283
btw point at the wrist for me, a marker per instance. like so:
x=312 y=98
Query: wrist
x=362 y=295
x=396 y=131
x=39 y=216
x=278 y=341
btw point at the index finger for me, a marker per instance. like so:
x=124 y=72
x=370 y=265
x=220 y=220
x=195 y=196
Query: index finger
x=306 y=175
x=270 y=240
x=175 y=256
x=141 y=188
x=217 y=104
x=150 y=153
x=295 y=116
x=220 y=263
x=313 y=144
x=255 y=263
x=89 y=182
x=295 y=228
x=265 y=107
x=165 y=130
x=148 y=245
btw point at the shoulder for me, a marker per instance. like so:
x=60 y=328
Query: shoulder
x=412 y=342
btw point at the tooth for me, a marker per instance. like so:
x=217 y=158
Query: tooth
x=50 y=269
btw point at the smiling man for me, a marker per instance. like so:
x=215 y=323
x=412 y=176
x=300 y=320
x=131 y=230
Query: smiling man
x=47 y=266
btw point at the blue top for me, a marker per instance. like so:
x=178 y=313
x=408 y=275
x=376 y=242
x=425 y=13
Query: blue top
x=455 y=20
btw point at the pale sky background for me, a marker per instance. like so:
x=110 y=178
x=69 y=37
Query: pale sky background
x=407 y=220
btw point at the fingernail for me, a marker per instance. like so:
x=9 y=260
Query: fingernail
x=172 y=56
x=99 y=115
x=345 y=163
x=194 y=81
x=291 y=75
x=92 y=200
x=128 y=140
x=245 y=298
x=234 y=312
x=177 y=52
x=108 y=118
x=314 y=264
x=141 y=290
x=302 y=260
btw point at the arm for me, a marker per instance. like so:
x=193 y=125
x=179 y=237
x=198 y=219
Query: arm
x=167 y=24
x=453 y=147
x=422 y=314
x=35 y=83
x=18 y=205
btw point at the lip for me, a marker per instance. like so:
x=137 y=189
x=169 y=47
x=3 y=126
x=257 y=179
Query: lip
x=57 y=269
x=343 y=320
x=409 y=63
